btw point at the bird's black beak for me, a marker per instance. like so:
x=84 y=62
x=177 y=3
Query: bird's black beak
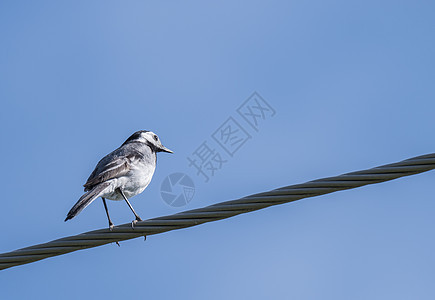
x=164 y=149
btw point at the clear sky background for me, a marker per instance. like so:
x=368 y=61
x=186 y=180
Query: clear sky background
x=352 y=84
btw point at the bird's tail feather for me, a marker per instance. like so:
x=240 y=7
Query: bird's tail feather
x=86 y=199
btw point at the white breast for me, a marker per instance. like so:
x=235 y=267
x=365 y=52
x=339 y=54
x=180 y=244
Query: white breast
x=133 y=183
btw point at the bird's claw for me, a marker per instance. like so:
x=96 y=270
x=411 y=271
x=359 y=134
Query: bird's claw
x=111 y=226
x=135 y=221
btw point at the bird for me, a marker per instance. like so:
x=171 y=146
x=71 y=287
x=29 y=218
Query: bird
x=122 y=174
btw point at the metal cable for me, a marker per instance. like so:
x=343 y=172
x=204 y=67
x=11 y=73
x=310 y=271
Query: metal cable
x=218 y=211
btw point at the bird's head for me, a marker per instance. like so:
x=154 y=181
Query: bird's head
x=149 y=138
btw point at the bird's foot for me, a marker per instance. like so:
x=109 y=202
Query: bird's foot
x=138 y=219
x=111 y=226
x=144 y=238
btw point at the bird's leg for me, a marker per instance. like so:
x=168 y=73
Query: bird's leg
x=131 y=207
x=111 y=226
x=107 y=213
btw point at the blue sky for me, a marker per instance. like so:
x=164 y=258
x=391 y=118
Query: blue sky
x=352 y=86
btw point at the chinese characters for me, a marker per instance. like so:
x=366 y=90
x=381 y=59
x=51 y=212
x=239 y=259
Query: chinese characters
x=230 y=137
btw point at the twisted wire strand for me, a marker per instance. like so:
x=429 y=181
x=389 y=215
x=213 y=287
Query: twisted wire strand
x=218 y=211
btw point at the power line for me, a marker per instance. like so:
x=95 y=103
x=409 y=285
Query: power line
x=218 y=211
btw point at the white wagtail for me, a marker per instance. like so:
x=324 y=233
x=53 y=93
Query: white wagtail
x=123 y=173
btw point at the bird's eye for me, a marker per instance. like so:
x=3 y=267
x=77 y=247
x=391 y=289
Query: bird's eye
x=155 y=137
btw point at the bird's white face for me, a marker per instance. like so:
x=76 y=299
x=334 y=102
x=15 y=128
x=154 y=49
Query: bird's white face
x=151 y=138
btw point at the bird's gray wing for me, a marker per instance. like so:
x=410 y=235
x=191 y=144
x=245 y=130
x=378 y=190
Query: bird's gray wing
x=116 y=167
